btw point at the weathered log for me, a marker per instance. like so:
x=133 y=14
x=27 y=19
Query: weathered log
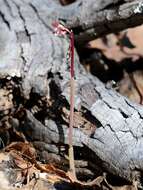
x=33 y=56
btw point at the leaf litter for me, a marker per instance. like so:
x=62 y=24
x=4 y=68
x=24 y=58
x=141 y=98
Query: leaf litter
x=21 y=158
x=19 y=168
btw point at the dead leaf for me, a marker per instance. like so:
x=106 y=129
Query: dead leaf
x=126 y=44
x=25 y=149
x=127 y=86
x=95 y=182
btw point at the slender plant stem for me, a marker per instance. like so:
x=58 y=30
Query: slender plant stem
x=72 y=53
x=62 y=30
x=72 y=94
x=71 y=152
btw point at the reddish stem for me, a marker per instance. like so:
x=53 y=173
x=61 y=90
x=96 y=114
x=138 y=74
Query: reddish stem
x=62 y=30
x=72 y=53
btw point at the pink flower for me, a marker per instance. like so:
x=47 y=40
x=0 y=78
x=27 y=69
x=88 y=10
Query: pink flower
x=59 y=29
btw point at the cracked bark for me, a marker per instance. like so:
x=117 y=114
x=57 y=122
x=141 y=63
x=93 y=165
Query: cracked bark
x=31 y=53
x=5 y=21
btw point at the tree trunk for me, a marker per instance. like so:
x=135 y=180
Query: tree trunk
x=35 y=77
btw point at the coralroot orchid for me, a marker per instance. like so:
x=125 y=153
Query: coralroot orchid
x=61 y=30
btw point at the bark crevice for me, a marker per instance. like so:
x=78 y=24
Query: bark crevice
x=5 y=20
x=24 y=22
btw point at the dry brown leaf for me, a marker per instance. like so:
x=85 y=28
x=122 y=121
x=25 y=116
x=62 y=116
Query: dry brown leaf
x=96 y=182
x=24 y=159
x=20 y=162
x=112 y=46
x=127 y=87
x=25 y=149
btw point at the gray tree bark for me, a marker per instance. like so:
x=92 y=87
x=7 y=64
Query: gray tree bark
x=34 y=72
